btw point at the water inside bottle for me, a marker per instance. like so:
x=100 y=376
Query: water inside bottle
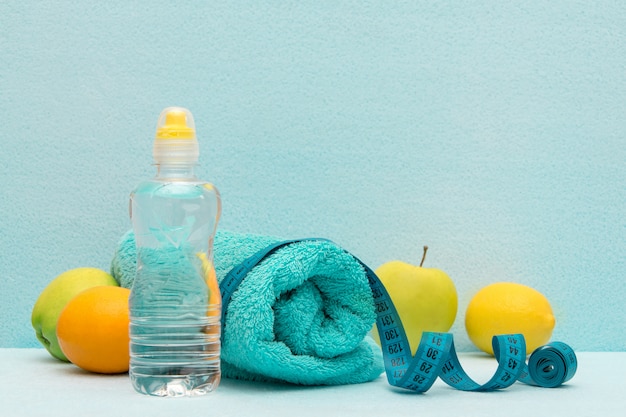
x=175 y=322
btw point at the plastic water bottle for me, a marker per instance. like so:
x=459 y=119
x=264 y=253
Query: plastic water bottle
x=175 y=304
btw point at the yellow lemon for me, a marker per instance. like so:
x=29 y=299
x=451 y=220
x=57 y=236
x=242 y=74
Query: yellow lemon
x=505 y=308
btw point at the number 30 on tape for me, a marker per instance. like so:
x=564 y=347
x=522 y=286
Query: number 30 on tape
x=549 y=366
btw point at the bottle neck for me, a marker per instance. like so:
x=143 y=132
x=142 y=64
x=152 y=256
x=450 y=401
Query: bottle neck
x=175 y=171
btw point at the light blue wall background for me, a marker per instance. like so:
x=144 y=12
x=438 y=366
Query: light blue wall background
x=494 y=132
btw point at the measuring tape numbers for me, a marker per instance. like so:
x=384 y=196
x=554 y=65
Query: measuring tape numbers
x=548 y=366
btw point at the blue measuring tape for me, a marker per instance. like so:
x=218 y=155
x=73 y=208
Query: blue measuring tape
x=548 y=366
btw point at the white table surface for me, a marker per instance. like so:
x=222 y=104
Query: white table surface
x=32 y=383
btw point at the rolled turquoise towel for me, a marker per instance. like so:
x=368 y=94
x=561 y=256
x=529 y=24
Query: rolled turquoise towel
x=302 y=315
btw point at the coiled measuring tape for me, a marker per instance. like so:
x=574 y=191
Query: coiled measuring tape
x=549 y=366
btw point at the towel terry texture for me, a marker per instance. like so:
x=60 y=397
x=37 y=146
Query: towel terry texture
x=302 y=315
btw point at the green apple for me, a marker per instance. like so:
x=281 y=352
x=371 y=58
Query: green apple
x=425 y=298
x=55 y=296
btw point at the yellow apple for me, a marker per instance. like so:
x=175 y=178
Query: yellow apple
x=55 y=296
x=425 y=298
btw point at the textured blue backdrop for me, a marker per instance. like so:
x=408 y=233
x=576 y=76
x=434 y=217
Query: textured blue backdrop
x=494 y=132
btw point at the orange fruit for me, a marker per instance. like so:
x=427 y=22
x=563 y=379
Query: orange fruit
x=93 y=330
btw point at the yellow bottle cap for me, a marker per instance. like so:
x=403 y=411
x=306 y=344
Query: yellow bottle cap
x=177 y=124
x=175 y=139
